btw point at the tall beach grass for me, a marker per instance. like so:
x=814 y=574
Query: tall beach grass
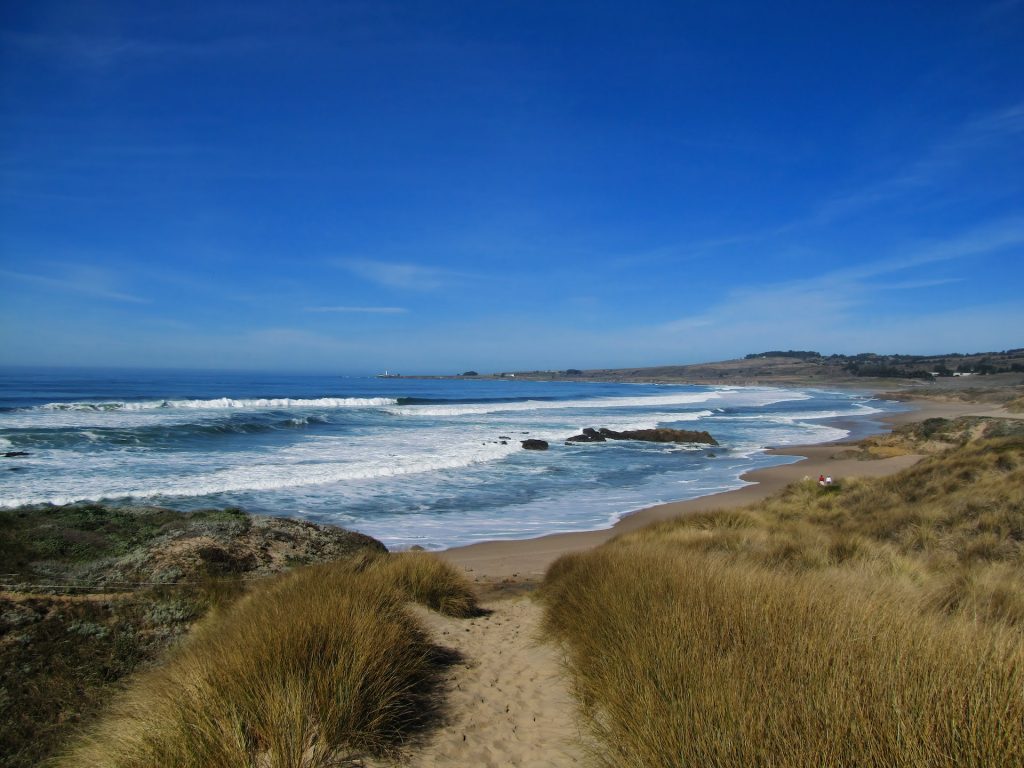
x=876 y=624
x=323 y=663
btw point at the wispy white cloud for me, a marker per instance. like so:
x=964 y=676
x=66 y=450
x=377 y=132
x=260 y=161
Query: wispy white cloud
x=909 y=285
x=991 y=132
x=990 y=238
x=406 y=276
x=962 y=145
x=84 y=281
x=361 y=310
x=958 y=149
x=840 y=304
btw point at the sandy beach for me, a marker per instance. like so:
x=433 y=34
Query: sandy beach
x=510 y=704
x=528 y=559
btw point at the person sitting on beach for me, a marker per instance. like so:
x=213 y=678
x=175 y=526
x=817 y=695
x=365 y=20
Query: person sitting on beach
x=821 y=479
x=828 y=480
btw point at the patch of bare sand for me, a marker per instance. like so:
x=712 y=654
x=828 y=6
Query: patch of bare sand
x=507 y=703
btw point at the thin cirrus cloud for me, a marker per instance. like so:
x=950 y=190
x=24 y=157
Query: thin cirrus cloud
x=405 y=276
x=838 y=298
x=361 y=310
x=956 y=151
x=85 y=282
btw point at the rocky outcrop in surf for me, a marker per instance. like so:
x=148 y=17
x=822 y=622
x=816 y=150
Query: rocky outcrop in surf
x=535 y=445
x=661 y=435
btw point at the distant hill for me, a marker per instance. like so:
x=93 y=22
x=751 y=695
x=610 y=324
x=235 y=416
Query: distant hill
x=804 y=367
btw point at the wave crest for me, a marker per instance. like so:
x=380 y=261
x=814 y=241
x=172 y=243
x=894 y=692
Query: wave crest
x=226 y=403
x=552 y=405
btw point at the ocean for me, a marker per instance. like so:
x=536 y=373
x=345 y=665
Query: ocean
x=429 y=462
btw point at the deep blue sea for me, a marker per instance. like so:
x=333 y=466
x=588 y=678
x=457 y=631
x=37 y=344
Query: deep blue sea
x=430 y=462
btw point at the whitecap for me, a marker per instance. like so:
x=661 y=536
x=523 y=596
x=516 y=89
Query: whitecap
x=475 y=409
x=225 y=402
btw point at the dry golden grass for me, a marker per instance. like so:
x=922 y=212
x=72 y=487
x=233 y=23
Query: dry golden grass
x=428 y=581
x=877 y=623
x=324 y=662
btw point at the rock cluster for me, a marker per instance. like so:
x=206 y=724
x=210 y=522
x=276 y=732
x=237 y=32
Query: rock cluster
x=661 y=435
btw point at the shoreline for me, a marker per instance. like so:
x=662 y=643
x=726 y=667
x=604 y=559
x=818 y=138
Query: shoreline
x=526 y=560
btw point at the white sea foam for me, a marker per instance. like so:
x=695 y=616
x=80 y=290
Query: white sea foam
x=314 y=462
x=476 y=409
x=226 y=402
x=759 y=396
x=794 y=417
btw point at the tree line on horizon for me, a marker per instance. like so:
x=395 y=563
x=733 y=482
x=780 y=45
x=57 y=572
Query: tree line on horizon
x=912 y=366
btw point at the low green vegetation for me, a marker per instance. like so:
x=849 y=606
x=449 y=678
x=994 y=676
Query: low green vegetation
x=93 y=593
x=319 y=665
x=61 y=537
x=880 y=622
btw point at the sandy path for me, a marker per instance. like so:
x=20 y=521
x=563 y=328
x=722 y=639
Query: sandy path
x=508 y=704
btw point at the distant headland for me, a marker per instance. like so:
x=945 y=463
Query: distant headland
x=796 y=367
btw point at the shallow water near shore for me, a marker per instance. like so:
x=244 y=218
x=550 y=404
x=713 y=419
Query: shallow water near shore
x=433 y=462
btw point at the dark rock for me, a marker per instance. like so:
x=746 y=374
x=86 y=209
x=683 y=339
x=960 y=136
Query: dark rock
x=15 y=454
x=590 y=435
x=535 y=445
x=662 y=435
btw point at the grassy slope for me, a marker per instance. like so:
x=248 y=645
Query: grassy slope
x=877 y=623
x=142 y=576
x=317 y=666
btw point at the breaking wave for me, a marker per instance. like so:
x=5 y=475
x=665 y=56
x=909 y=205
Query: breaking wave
x=474 y=409
x=226 y=403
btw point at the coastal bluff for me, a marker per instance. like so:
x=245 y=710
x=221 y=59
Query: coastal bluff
x=93 y=593
x=100 y=546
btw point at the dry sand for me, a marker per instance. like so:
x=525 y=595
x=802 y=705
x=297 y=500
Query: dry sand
x=507 y=701
x=508 y=704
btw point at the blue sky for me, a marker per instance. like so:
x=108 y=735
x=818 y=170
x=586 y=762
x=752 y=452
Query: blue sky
x=437 y=186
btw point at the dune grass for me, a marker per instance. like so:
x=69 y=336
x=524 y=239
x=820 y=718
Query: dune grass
x=429 y=581
x=321 y=663
x=874 y=624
